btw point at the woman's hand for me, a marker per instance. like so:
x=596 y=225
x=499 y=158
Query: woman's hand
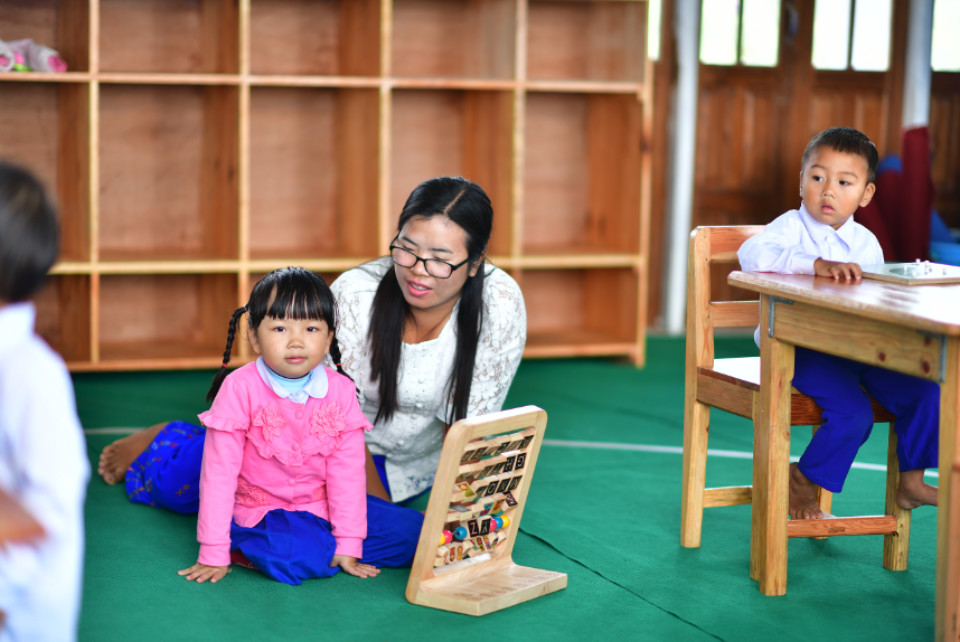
x=353 y=566
x=837 y=271
x=201 y=573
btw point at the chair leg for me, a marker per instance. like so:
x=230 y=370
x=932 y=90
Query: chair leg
x=696 y=420
x=896 y=547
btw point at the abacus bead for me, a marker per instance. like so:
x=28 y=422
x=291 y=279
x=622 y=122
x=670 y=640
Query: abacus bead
x=506 y=521
x=460 y=533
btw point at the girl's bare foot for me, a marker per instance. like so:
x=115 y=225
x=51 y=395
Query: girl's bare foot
x=913 y=491
x=804 y=500
x=117 y=457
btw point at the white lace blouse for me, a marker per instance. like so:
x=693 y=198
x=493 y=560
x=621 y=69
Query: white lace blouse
x=412 y=438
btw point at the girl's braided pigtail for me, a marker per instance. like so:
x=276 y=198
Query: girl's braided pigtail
x=222 y=372
x=337 y=358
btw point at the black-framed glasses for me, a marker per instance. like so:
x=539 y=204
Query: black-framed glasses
x=434 y=267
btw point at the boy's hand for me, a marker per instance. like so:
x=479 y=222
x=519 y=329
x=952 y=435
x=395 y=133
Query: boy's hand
x=352 y=566
x=201 y=573
x=837 y=271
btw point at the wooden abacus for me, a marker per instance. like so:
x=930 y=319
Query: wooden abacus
x=464 y=558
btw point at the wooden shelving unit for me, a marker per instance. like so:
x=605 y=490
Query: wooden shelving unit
x=195 y=145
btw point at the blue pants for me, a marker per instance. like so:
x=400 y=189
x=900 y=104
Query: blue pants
x=838 y=385
x=288 y=546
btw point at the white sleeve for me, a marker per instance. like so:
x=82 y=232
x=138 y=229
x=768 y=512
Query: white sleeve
x=502 y=339
x=777 y=249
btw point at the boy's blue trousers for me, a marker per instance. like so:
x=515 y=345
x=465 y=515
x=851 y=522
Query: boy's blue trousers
x=840 y=387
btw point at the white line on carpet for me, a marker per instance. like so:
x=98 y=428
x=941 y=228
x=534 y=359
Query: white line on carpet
x=600 y=445
x=676 y=450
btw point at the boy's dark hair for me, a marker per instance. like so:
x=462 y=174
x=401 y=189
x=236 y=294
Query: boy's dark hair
x=466 y=204
x=300 y=294
x=845 y=140
x=29 y=234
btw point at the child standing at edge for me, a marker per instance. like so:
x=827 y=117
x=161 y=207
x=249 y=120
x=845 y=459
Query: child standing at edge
x=821 y=238
x=43 y=457
x=283 y=481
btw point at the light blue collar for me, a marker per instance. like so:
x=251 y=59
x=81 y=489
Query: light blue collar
x=314 y=384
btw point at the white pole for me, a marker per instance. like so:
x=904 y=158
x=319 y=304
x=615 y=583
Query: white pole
x=681 y=165
x=917 y=72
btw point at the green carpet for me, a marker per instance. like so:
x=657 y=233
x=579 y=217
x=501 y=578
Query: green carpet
x=606 y=515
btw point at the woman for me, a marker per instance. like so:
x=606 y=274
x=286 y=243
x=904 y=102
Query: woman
x=431 y=334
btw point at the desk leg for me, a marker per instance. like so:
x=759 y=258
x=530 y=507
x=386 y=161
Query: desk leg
x=771 y=463
x=948 y=558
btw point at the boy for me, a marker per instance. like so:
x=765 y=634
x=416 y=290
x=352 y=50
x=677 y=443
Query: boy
x=43 y=460
x=836 y=177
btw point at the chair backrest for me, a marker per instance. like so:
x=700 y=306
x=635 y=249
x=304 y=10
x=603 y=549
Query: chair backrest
x=714 y=245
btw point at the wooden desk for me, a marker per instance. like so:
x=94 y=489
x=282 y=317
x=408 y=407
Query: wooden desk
x=913 y=329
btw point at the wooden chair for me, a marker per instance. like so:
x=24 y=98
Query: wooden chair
x=733 y=385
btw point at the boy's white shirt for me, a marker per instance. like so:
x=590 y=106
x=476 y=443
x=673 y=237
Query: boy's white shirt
x=44 y=465
x=792 y=242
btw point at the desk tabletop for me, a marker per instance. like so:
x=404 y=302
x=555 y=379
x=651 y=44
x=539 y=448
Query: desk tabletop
x=931 y=308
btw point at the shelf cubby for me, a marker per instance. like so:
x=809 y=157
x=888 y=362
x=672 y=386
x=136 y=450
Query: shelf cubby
x=454 y=40
x=310 y=38
x=61 y=25
x=169 y=36
x=581 y=311
x=313 y=172
x=582 y=162
x=168 y=172
x=603 y=41
x=455 y=133
x=45 y=127
x=63 y=316
x=163 y=317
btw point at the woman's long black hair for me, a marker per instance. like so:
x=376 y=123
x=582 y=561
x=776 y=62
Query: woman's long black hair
x=300 y=294
x=467 y=205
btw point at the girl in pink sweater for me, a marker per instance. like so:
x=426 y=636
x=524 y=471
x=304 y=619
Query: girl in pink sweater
x=283 y=481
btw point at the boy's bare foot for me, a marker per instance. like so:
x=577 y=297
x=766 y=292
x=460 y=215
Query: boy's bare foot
x=913 y=491
x=804 y=501
x=117 y=457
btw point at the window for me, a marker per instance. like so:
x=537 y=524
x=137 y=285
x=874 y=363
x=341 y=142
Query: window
x=865 y=23
x=945 y=53
x=653 y=29
x=740 y=32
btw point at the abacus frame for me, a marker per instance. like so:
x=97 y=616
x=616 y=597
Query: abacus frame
x=493 y=581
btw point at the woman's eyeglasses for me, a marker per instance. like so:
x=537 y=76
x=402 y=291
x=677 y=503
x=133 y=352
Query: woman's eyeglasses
x=434 y=267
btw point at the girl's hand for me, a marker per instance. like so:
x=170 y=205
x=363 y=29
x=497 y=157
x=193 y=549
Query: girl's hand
x=201 y=573
x=837 y=271
x=352 y=566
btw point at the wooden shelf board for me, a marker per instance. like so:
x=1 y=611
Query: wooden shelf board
x=265 y=80
x=562 y=260
x=160 y=78
x=535 y=350
x=46 y=77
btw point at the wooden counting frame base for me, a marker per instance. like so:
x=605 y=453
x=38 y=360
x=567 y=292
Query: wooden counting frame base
x=481 y=486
